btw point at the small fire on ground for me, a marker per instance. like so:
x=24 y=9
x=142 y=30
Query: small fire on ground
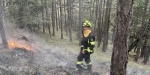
x=18 y=44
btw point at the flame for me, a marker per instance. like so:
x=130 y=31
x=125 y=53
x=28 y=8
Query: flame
x=14 y=44
x=27 y=47
x=11 y=44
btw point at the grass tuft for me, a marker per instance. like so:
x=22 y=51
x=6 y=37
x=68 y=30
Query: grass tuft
x=97 y=55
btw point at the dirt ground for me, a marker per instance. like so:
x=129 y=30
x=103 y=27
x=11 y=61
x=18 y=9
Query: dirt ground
x=43 y=59
x=48 y=61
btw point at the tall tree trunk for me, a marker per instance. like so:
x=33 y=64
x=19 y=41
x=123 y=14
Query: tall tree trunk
x=53 y=17
x=94 y=11
x=79 y=29
x=91 y=14
x=65 y=23
x=56 y=17
x=61 y=25
x=106 y=25
x=141 y=31
x=144 y=47
x=69 y=2
x=147 y=54
x=96 y=15
x=114 y=31
x=43 y=18
x=119 y=57
x=37 y=16
x=103 y=14
x=99 y=33
x=47 y=17
x=2 y=30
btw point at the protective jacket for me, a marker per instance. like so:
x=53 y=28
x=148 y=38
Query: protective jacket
x=88 y=42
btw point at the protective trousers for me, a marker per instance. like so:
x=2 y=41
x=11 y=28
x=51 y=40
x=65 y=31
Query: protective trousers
x=87 y=59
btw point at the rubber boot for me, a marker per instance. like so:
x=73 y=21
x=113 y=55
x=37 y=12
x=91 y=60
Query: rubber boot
x=79 y=69
x=89 y=68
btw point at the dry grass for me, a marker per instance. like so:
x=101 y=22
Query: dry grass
x=139 y=63
x=98 y=54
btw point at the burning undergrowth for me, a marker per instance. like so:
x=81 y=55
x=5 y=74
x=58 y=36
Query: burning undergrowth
x=20 y=42
x=32 y=57
x=29 y=55
x=16 y=62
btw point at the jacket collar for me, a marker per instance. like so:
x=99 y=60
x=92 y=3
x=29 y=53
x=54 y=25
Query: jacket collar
x=86 y=33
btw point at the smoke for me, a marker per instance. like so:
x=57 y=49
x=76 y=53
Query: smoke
x=23 y=37
x=15 y=36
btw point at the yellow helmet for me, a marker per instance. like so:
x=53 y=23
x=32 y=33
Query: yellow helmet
x=87 y=23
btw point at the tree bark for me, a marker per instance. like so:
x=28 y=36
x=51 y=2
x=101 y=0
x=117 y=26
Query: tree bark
x=47 y=17
x=99 y=33
x=61 y=25
x=2 y=30
x=144 y=47
x=79 y=30
x=119 y=57
x=106 y=25
x=65 y=23
x=56 y=16
x=96 y=14
x=69 y=2
x=43 y=18
x=53 y=17
x=147 y=54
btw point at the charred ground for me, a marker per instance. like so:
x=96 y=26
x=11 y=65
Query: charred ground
x=51 y=58
x=41 y=61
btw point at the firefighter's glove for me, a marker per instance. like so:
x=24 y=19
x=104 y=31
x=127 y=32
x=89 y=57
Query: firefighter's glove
x=84 y=52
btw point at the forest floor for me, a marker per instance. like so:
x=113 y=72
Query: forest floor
x=52 y=56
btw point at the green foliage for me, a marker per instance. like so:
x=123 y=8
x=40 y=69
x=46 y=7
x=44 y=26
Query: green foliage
x=138 y=8
x=25 y=12
x=137 y=13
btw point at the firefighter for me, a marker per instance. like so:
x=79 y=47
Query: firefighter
x=87 y=46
